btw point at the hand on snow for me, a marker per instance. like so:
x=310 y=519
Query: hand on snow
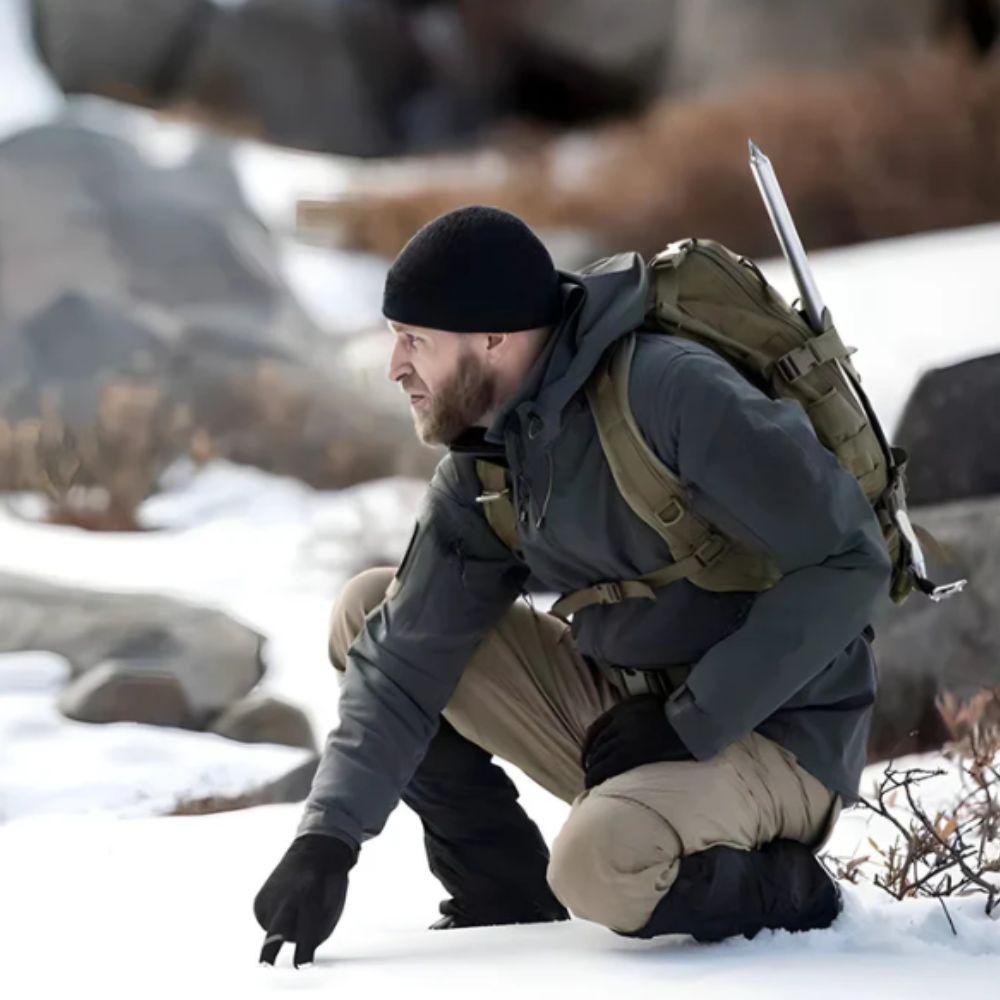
x=303 y=897
x=633 y=732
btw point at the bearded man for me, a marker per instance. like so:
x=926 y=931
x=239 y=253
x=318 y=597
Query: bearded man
x=704 y=741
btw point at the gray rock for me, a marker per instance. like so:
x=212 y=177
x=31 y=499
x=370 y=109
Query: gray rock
x=719 y=44
x=291 y=787
x=923 y=648
x=260 y=718
x=951 y=428
x=378 y=77
x=211 y=659
x=326 y=75
x=318 y=74
x=115 y=46
x=129 y=691
x=116 y=273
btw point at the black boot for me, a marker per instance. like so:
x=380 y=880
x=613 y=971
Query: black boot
x=480 y=843
x=503 y=912
x=722 y=892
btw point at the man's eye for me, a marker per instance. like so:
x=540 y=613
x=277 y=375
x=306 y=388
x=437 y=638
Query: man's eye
x=412 y=341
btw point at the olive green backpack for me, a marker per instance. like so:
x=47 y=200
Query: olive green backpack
x=702 y=291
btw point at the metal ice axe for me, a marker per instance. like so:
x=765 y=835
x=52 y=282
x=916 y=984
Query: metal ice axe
x=818 y=318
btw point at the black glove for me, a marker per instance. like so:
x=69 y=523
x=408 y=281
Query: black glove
x=303 y=897
x=633 y=732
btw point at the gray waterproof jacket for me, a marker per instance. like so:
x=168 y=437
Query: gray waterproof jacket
x=790 y=662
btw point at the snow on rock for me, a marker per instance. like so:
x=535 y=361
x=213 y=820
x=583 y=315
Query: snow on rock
x=50 y=765
x=268 y=551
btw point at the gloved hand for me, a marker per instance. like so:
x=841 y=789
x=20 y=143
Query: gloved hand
x=303 y=897
x=633 y=732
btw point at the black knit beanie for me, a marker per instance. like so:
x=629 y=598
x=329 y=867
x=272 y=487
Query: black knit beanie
x=474 y=270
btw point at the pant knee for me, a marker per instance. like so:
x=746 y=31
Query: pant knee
x=613 y=861
x=358 y=597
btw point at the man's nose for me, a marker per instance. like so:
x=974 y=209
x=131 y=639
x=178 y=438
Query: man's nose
x=398 y=364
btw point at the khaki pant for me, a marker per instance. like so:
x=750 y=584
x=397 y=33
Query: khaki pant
x=527 y=696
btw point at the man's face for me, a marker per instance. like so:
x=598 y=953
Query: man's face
x=445 y=375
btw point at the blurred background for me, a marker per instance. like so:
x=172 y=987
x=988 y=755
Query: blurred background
x=198 y=203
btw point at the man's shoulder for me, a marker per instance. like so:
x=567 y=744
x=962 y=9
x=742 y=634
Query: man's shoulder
x=669 y=373
x=657 y=351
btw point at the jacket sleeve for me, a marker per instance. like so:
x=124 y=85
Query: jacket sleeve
x=454 y=583
x=755 y=467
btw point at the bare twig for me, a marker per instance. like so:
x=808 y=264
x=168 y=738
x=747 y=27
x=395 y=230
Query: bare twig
x=956 y=850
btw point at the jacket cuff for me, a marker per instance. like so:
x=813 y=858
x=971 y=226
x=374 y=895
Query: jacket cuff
x=318 y=820
x=692 y=725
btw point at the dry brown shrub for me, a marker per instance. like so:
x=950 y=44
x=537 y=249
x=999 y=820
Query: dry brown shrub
x=95 y=473
x=949 y=849
x=95 y=476
x=906 y=145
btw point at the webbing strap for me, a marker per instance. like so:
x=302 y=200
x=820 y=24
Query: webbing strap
x=615 y=591
x=799 y=361
x=496 y=502
x=600 y=593
x=652 y=490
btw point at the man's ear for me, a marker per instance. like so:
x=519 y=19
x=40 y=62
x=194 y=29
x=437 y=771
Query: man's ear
x=496 y=345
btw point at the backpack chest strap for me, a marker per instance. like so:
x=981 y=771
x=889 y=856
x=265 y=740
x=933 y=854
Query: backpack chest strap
x=613 y=592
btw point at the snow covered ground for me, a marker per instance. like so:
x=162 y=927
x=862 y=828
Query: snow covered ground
x=97 y=892
x=269 y=551
x=162 y=907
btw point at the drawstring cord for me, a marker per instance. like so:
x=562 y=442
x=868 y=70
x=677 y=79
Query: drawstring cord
x=548 y=492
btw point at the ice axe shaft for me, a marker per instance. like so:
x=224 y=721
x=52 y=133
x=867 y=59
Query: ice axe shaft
x=788 y=237
x=819 y=320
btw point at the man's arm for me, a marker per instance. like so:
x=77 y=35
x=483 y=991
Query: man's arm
x=755 y=467
x=456 y=581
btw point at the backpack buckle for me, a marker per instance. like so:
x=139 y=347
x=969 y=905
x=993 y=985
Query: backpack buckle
x=710 y=550
x=672 y=513
x=610 y=593
x=788 y=368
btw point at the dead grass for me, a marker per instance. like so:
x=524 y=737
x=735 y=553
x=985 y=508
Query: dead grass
x=906 y=145
x=95 y=472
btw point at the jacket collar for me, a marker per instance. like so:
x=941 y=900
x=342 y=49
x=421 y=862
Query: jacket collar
x=602 y=303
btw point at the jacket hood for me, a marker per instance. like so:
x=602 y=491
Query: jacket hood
x=601 y=304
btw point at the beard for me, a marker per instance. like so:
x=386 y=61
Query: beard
x=459 y=404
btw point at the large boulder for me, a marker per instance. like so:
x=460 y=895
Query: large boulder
x=377 y=77
x=116 y=47
x=318 y=74
x=330 y=75
x=924 y=649
x=144 y=314
x=720 y=44
x=951 y=428
x=144 y=691
x=260 y=718
x=134 y=657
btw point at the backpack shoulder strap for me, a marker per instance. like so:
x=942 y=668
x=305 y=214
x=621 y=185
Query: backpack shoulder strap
x=651 y=489
x=700 y=552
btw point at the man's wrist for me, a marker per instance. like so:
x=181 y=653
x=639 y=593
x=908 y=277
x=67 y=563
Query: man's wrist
x=331 y=851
